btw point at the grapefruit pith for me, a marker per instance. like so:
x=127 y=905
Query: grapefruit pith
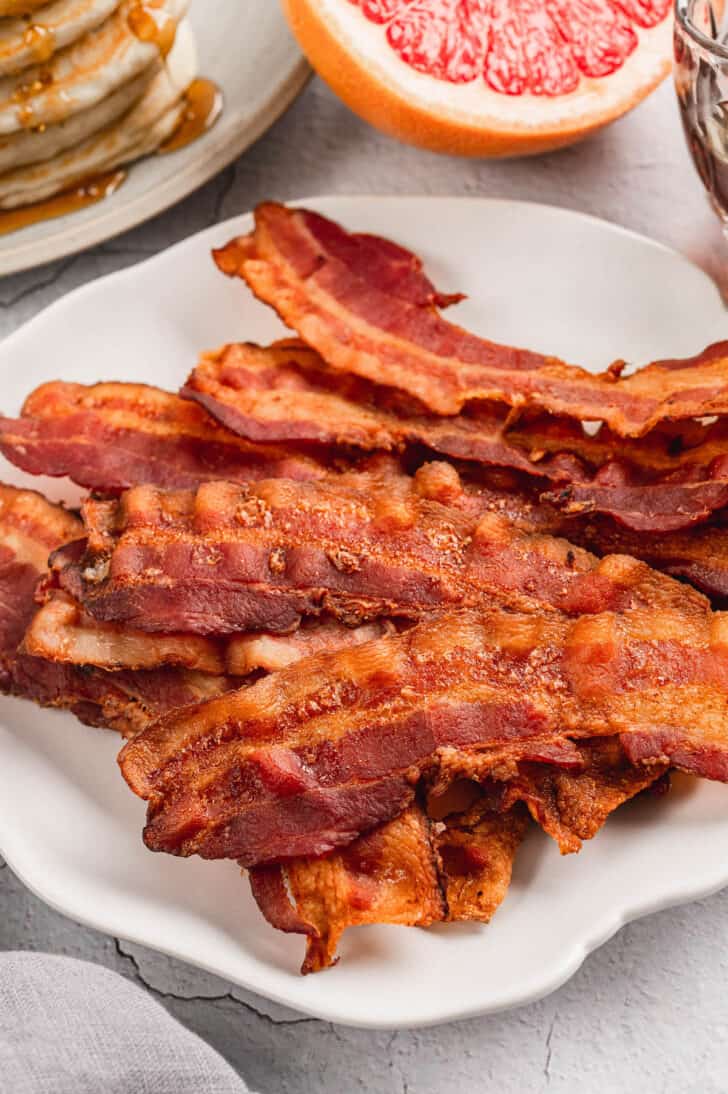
x=487 y=77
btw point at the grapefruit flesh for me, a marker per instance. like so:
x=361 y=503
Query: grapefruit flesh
x=487 y=77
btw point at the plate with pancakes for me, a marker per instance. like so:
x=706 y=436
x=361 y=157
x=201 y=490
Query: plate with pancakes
x=113 y=110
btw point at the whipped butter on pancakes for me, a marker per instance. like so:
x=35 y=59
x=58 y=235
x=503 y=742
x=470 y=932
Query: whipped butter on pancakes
x=87 y=86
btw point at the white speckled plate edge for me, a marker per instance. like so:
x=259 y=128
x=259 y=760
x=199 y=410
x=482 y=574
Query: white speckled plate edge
x=260 y=70
x=70 y=829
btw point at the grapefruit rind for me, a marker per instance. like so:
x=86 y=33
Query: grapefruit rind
x=352 y=56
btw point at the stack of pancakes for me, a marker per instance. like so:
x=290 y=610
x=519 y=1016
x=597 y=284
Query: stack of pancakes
x=85 y=86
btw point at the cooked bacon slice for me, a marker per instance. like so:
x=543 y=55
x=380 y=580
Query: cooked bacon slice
x=699 y=556
x=665 y=481
x=476 y=851
x=249 y=653
x=389 y=875
x=416 y=869
x=569 y=787
x=307 y=759
x=284 y=392
x=301 y=264
x=124 y=701
x=230 y=558
x=109 y=437
x=30 y=528
x=63 y=633
x=409 y=872
x=393 y=269
x=572 y=805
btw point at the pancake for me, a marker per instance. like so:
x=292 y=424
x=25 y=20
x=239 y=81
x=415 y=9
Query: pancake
x=36 y=145
x=140 y=131
x=54 y=26
x=20 y=7
x=80 y=76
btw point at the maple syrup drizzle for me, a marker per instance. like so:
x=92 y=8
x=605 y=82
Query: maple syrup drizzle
x=80 y=197
x=149 y=22
x=24 y=92
x=203 y=106
x=41 y=41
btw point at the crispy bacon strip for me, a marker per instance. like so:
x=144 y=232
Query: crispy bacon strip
x=124 y=701
x=249 y=653
x=570 y=787
x=109 y=437
x=389 y=875
x=285 y=393
x=63 y=633
x=408 y=872
x=393 y=269
x=30 y=528
x=229 y=558
x=306 y=760
x=475 y=852
x=418 y=869
x=662 y=482
x=699 y=555
x=302 y=265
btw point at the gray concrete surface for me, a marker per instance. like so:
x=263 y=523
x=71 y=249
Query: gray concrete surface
x=647 y=1012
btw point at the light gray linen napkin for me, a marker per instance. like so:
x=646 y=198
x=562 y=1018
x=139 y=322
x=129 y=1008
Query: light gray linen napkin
x=68 y=1027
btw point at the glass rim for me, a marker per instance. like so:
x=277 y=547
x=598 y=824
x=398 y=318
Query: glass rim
x=698 y=36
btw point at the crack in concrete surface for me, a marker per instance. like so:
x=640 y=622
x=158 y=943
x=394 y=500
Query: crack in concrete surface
x=224 y=997
x=46 y=282
x=549 y=1052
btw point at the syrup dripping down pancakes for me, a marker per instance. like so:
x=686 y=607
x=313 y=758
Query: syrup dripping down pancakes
x=86 y=87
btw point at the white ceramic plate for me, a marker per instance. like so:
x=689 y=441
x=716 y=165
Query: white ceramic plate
x=246 y=48
x=538 y=276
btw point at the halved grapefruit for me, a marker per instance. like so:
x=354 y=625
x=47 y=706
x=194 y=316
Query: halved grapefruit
x=487 y=77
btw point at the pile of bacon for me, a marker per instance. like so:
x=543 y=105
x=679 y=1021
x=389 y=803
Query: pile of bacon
x=322 y=594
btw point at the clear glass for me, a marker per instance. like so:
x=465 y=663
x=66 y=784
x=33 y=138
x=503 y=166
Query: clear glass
x=701 y=81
